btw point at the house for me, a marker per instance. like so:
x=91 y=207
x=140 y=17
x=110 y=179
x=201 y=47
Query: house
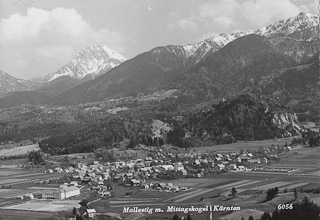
x=62 y=193
x=197 y=162
x=28 y=196
x=233 y=166
x=148 y=159
x=134 y=182
x=58 y=169
x=175 y=189
x=167 y=167
x=70 y=191
x=100 y=183
x=162 y=185
x=184 y=172
x=86 y=179
x=128 y=175
x=221 y=166
x=91 y=213
x=117 y=178
x=170 y=185
x=73 y=183
x=51 y=194
x=146 y=187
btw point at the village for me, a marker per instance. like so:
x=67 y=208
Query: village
x=152 y=173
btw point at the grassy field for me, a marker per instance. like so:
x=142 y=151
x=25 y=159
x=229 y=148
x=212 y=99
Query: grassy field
x=23 y=215
x=45 y=205
x=244 y=145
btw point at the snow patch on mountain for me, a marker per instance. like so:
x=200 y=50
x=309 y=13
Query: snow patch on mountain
x=288 y=26
x=93 y=60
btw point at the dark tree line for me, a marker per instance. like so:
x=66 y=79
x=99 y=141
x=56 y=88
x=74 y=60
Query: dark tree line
x=36 y=157
x=306 y=209
x=271 y=193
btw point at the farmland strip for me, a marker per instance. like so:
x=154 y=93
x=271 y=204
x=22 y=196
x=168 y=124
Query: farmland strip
x=233 y=184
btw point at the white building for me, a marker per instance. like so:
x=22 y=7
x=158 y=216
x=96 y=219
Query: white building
x=63 y=192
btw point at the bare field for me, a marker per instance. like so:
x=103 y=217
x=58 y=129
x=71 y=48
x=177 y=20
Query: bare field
x=200 y=182
x=18 y=150
x=9 y=172
x=5 y=181
x=21 y=215
x=46 y=205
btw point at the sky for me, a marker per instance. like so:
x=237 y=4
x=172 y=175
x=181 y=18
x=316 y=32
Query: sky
x=38 y=37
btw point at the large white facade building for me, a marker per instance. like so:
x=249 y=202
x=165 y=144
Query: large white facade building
x=61 y=193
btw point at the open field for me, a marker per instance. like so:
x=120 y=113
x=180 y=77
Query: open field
x=46 y=205
x=9 y=172
x=19 y=150
x=256 y=214
x=21 y=214
x=244 y=145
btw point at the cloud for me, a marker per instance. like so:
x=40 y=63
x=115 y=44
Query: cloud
x=264 y=12
x=59 y=33
x=226 y=14
x=187 y=24
x=312 y=7
x=219 y=8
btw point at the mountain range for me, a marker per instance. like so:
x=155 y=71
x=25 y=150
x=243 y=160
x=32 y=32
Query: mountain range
x=224 y=65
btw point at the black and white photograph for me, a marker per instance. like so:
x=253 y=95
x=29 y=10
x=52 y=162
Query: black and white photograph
x=159 y=110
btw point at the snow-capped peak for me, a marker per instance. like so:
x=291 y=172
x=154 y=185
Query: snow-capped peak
x=288 y=26
x=93 y=60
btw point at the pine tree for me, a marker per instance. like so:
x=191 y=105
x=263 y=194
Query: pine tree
x=295 y=192
x=74 y=212
x=266 y=216
x=233 y=191
x=175 y=217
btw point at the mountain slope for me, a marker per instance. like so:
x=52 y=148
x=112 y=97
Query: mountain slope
x=244 y=117
x=93 y=61
x=298 y=87
x=232 y=68
x=86 y=65
x=9 y=84
x=61 y=84
x=143 y=73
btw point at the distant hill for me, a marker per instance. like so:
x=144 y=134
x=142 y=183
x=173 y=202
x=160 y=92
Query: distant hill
x=61 y=85
x=232 y=69
x=244 y=117
x=9 y=84
x=298 y=87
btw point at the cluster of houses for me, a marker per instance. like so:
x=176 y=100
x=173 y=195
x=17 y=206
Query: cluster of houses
x=161 y=165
